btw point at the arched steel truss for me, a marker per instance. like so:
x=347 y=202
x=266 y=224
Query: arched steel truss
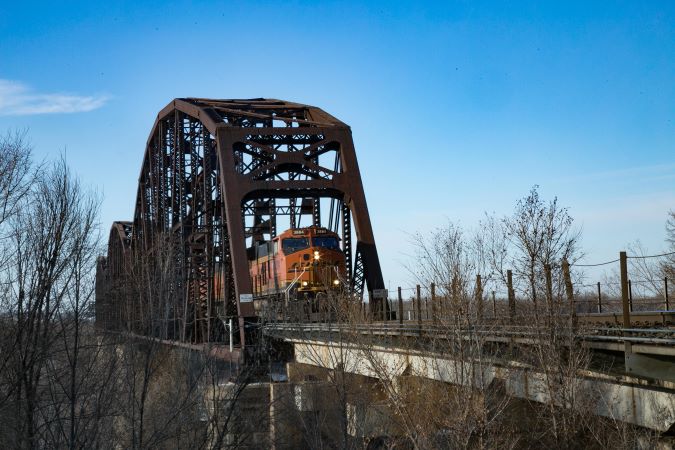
x=110 y=272
x=219 y=174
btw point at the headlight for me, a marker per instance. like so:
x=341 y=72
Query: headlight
x=336 y=282
x=316 y=254
x=304 y=283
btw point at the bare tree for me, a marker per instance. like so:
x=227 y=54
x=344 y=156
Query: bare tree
x=16 y=171
x=441 y=257
x=52 y=240
x=541 y=234
x=533 y=241
x=668 y=264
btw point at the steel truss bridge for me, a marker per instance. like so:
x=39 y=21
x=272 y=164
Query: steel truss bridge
x=218 y=175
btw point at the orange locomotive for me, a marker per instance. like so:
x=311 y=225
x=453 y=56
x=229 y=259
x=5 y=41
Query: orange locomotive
x=308 y=260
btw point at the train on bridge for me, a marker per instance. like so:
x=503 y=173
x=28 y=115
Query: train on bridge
x=302 y=262
x=219 y=182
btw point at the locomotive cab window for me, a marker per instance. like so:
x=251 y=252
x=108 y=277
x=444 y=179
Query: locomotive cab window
x=292 y=245
x=328 y=242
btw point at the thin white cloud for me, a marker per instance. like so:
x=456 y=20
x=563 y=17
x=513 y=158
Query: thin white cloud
x=18 y=99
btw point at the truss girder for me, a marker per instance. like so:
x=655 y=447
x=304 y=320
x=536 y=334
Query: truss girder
x=211 y=177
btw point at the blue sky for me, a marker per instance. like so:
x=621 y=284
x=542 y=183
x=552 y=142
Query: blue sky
x=456 y=107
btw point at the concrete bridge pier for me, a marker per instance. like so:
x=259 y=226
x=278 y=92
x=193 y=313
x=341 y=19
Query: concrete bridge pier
x=327 y=406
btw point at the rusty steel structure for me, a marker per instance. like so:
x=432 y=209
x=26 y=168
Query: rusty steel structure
x=217 y=176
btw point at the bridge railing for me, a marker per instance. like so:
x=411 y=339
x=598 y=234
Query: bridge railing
x=643 y=296
x=516 y=334
x=617 y=302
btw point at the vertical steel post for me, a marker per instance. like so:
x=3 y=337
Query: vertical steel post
x=419 y=306
x=434 y=312
x=511 y=294
x=623 y=267
x=630 y=295
x=479 y=296
x=229 y=325
x=665 y=293
x=599 y=299
x=400 y=307
x=627 y=307
x=383 y=305
x=549 y=285
x=569 y=289
x=494 y=304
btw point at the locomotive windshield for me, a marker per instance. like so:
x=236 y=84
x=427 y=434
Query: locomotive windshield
x=292 y=245
x=328 y=242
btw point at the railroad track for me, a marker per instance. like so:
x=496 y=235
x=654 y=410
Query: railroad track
x=659 y=341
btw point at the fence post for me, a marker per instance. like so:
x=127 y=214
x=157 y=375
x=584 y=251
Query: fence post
x=569 y=289
x=479 y=296
x=549 y=285
x=665 y=293
x=494 y=305
x=454 y=297
x=381 y=314
x=419 y=307
x=623 y=266
x=599 y=299
x=511 y=294
x=400 y=307
x=434 y=311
